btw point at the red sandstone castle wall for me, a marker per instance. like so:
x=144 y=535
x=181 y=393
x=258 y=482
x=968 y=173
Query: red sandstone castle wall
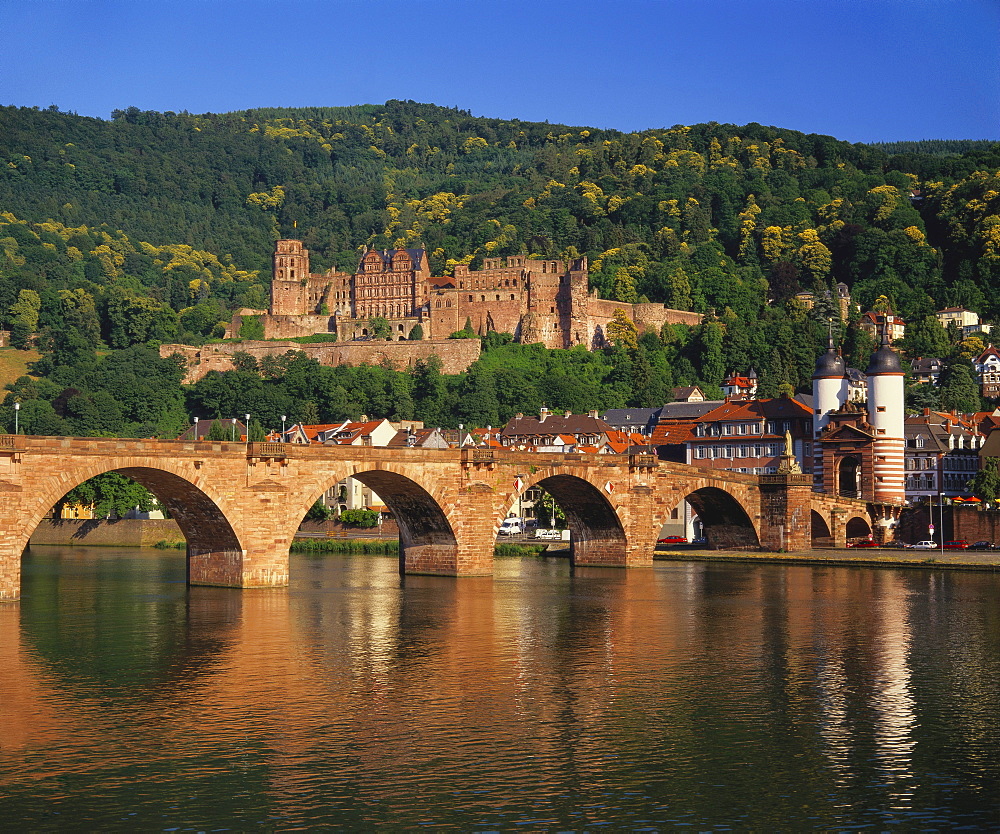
x=456 y=354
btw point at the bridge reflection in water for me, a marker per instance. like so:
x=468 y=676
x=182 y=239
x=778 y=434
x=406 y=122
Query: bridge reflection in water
x=730 y=695
x=239 y=504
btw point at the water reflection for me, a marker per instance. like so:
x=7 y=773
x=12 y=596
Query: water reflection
x=715 y=695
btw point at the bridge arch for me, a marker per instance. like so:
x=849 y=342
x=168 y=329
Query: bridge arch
x=724 y=518
x=858 y=527
x=213 y=545
x=597 y=535
x=820 y=533
x=427 y=540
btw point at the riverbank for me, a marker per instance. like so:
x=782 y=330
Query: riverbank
x=982 y=560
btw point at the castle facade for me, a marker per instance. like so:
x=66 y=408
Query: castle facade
x=537 y=300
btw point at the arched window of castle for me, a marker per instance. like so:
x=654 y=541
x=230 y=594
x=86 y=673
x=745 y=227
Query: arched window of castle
x=544 y=267
x=449 y=303
x=470 y=298
x=482 y=298
x=498 y=296
x=512 y=296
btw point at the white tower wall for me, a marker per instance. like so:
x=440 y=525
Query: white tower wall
x=886 y=414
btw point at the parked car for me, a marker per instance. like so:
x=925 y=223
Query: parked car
x=512 y=527
x=672 y=540
x=926 y=545
x=957 y=544
x=555 y=535
x=699 y=540
x=864 y=543
x=981 y=546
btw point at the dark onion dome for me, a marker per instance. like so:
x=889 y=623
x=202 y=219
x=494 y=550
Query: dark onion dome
x=830 y=364
x=884 y=360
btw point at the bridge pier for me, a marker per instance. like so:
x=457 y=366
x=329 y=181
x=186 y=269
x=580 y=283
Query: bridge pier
x=233 y=569
x=786 y=504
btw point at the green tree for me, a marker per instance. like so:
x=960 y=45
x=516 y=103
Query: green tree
x=111 y=494
x=710 y=341
x=379 y=328
x=959 y=389
x=251 y=328
x=623 y=288
x=985 y=484
x=365 y=519
x=416 y=333
x=319 y=511
x=24 y=318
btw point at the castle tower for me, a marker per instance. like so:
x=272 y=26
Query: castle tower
x=886 y=413
x=830 y=391
x=289 y=279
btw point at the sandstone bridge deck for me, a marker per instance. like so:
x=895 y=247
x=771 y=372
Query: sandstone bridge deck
x=239 y=504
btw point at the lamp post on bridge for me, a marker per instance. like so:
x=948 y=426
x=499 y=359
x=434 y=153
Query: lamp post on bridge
x=283 y=418
x=17 y=411
x=195 y=428
x=248 y=426
x=234 y=429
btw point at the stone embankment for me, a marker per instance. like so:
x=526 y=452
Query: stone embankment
x=985 y=560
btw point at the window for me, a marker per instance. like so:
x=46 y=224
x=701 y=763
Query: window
x=880 y=408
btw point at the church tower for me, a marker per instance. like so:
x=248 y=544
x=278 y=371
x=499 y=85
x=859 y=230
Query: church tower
x=886 y=415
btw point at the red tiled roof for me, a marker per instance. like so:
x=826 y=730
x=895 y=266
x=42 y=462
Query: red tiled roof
x=673 y=431
x=757 y=410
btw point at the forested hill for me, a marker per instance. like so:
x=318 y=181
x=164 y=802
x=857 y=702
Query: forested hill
x=153 y=226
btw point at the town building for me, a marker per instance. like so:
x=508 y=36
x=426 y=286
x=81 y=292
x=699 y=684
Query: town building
x=555 y=433
x=925 y=370
x=536 y=299
x=873 y=324
x=736 y=386
x=942 y=454
x=987 y=365
x=841 y=298
x=751 y=435
x=966 y=321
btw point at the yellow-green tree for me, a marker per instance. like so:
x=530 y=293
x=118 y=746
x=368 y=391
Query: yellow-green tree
x=622 y=331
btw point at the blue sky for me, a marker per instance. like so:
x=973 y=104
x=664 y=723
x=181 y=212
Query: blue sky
x=860 y=70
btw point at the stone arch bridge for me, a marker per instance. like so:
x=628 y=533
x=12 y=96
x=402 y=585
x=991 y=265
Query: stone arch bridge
x=240 y=504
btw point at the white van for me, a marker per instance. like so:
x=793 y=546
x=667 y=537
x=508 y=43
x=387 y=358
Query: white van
x=512 y=526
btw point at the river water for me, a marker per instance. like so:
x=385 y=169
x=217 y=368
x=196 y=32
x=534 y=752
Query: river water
x=689 y=695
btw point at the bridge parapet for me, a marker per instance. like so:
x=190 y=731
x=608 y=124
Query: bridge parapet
x=12 y=443
x=266 y=450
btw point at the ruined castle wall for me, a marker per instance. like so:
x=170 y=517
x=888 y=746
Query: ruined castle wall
x=645 y=316
x=290 y=327
x=456 y=354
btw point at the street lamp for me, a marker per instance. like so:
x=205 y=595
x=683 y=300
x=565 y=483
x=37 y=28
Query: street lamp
x=234 y=429
x=283 y=418
x=248 y=426
x=195 y=428
x=941 y=517
x=17 y=409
